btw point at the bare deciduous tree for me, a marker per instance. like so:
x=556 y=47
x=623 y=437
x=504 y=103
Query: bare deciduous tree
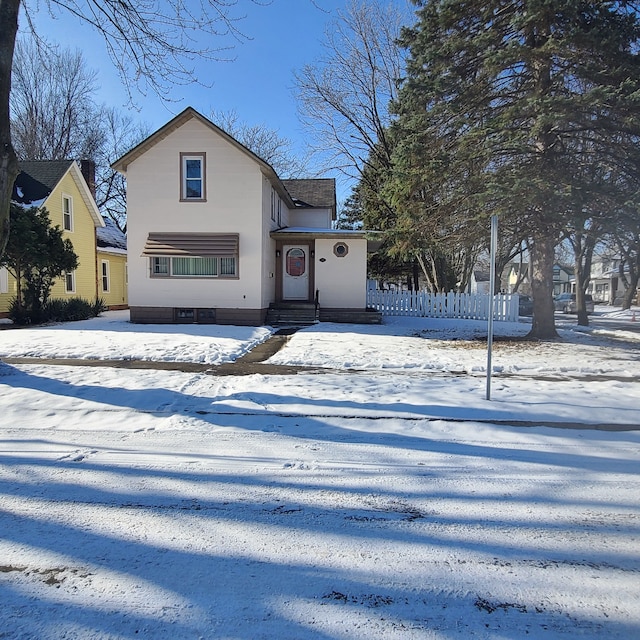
x=52 y=104
x=8 y=160
x=54 y=116
x=120 y=132
x=344 y=98
x=153 y=45
x=264 y=142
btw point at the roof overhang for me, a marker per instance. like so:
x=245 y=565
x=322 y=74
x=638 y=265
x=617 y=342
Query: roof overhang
x=374 y=238
x=85 y=192
x=191 y=244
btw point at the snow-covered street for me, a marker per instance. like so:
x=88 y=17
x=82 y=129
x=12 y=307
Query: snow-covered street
x=383 y=498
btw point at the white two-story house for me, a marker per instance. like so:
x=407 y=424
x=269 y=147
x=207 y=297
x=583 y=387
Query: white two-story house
x=214 y=235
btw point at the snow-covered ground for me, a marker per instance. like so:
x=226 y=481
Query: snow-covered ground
x=377 y=495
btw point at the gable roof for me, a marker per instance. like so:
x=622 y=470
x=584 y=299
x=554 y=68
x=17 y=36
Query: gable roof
x=38 y=178
x=560 y=267
x=188 y=114
x=317 y=193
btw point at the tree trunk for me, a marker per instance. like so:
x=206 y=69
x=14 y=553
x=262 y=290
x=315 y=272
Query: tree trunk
x=542 y=258
x=583 y=316
x=8 y=161
x=631 y=259
x=631 y=292
x=631 y=281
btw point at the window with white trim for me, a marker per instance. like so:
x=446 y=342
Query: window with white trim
x=105 y=276
x=70 y=282
x=4 y=280
x=192 y=172
x=194 y=267
x=159 y=266
x=67 y=213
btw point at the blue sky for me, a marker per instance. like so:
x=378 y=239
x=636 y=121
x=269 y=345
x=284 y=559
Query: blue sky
x=258 y=84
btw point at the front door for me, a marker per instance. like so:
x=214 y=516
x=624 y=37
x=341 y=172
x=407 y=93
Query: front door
x=295 y=281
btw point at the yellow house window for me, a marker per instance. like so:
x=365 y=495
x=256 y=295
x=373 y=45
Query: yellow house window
x=70 y=282
x=67 y=213
x=105 y=276
x=4 y=280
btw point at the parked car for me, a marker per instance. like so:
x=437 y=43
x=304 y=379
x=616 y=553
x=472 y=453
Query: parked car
x=525 y=305
x=566 y=302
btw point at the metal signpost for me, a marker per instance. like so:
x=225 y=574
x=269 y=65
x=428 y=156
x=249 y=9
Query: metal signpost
x=492 y=297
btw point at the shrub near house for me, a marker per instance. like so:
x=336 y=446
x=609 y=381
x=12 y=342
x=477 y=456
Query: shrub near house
x=35 y=254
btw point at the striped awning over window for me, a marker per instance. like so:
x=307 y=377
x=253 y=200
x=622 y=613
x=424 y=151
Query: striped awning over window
x=191 y=244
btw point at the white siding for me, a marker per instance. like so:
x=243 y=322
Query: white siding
x=349 y=271
x=234 y=200
x=310 y=218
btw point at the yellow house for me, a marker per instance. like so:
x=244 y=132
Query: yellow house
x=65 y=189
x=112 y=265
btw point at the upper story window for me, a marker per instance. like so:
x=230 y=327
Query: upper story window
x=192 y=172
x=67 y=213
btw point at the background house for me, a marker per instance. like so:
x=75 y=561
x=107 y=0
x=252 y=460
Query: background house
x=214 y=235
x=65 y=189
x=606 y=284
x=563 y=279
x=480 y=281
x=111 y=259
x=516 y=277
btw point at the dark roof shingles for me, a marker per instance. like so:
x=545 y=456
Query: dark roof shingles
x=37 y=179
x=318 y=192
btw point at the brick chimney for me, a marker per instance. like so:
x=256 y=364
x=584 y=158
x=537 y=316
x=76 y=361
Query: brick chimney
x=88 y=168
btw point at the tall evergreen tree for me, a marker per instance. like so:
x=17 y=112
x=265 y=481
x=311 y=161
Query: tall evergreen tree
x=506 y=105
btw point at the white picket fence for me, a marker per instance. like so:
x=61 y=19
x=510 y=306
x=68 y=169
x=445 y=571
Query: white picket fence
x=473 y=306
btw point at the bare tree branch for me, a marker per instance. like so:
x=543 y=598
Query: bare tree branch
x=265 y=143
x=155 y=44
x=344 y=97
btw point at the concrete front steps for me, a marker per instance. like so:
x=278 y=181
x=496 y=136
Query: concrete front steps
x=292 y=314
x=304 y=314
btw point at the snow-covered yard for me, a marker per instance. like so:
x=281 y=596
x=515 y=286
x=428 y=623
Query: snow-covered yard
x=381 y=498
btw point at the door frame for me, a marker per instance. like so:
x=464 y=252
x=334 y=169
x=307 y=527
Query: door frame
x=309 y=245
